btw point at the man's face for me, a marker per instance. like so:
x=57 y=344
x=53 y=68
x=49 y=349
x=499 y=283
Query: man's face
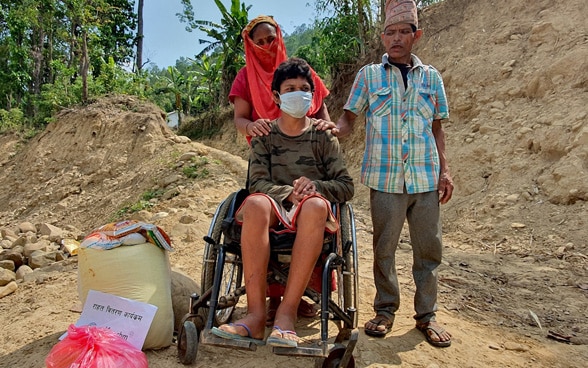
x=398 y=40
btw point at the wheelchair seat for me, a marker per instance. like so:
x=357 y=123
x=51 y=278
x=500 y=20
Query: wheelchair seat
x=281 y=240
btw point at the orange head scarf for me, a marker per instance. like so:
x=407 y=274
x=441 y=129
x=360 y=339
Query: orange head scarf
x=261 y=62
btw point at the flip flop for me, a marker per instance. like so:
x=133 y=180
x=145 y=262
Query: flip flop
x=280 y=341
x=437 y=330
x=379 y=320
x=233 y=336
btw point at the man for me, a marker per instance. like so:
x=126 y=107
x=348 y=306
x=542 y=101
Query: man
x=405 y=167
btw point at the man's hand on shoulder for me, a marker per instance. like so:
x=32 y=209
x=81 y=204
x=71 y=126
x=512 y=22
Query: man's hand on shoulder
x=326 y=125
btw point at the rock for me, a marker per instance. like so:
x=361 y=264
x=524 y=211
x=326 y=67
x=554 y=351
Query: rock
x=187 y=219
x=8 y=289
x=7 y=265
x=6 y=233
x=6 y=244
x=188 y=156
x=171 y=193
x=21 y=240
x=42 y=259
x=13 y=255
x=518 y=225
x=22 y=272
x=53 y=232
x=169 y=180
x=26 y=227
x=182 y=287
x=143 y=216
x=513 y=346
x=513 y=198
x=6 y=276
x=31 y=248
x=159 y=216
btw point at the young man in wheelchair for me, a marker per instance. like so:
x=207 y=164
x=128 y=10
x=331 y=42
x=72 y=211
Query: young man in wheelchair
x=295 y=173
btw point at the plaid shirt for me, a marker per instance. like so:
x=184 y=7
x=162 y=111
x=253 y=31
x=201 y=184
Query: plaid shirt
x=400 y=147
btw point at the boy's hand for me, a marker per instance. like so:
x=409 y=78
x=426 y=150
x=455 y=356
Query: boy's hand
x=303 y=187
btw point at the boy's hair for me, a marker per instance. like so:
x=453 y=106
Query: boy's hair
x=292 y=69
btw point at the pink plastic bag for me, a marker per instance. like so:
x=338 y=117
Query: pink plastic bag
x=94 y=347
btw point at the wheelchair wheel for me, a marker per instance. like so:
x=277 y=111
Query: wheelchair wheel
x=188 y=343
x=334 y=358
x=232 y=269
x=349 y=272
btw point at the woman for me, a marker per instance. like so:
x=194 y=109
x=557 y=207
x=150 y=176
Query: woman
x=254 y=107
x=251 y=92
x=290 y=192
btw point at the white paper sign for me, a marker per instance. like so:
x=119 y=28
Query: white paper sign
x=129 y=318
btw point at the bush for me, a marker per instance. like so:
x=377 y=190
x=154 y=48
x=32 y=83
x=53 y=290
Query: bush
x=11 y=120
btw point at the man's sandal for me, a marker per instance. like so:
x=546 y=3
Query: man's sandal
x=428 y=329
x=383 y=326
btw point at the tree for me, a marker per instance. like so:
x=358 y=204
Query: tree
x=139 y=61
x=226 y=43
x=44 y=42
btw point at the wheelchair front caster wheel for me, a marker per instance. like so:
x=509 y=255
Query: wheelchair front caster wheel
x=335 y=357
x=188 y=343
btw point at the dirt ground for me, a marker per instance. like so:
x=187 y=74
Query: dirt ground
x=515 y=233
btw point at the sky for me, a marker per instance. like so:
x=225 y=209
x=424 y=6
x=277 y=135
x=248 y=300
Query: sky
x=166 y=38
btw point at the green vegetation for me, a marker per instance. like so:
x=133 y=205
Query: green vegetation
x=196 y=169
x=60 y=53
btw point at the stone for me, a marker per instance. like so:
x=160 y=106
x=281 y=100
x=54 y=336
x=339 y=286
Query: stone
x=41 y=259
x=6 y=276
x=6 y=244
x=182 y=286
x=22 y=272
x=5 y=233
x=513 y=346
x=7 y=265
x=188 y=156
x=187 y=219
x=53 y=232
x=8 y=289
x=33 y=247
x=13 y=255
x=25 y=227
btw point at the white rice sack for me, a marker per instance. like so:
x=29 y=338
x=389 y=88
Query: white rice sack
x=139 y=272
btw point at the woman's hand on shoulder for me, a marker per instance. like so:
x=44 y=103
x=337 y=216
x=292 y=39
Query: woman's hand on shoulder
x=259 y=127
x=326 y=125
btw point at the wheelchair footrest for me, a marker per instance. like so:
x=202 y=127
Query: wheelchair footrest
x=301 y=351
x=208 y=338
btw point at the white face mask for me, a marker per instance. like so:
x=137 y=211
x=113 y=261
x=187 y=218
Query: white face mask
x=296 y=104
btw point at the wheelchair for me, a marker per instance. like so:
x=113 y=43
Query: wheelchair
x=221 y=286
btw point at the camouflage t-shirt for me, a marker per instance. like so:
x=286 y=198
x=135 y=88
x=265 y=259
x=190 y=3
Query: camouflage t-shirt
x=276 y=160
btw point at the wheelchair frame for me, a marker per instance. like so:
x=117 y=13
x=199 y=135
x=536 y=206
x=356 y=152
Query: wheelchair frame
x=222 y=289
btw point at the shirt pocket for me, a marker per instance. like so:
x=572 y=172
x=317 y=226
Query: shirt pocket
x=380 y=101
x=427 y=102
